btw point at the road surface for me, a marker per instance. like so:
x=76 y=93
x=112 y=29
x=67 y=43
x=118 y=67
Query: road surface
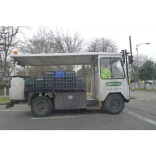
x=139 y=114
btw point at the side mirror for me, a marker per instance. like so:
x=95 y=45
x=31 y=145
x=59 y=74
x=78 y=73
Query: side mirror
x=123 y=55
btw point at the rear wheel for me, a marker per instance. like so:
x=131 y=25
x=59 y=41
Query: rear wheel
x=41 y=106
x=114 y=104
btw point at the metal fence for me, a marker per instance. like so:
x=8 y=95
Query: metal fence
x=145 y=86
x=2 y=92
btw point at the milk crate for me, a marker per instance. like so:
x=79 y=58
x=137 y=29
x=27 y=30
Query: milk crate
x=49 y=74
x=80 y=80
x=81 y=86
x=71 y=74
x=39 y=86
x=29 y=87
x=60 y=73
x=70 y=86
x=70 y=80
x=39 y=81
x=49 y=81
x=59 y=80
x=49 y=86
x=60 y=86
x=29 y=81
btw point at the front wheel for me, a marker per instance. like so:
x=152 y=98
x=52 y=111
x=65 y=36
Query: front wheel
x=114 y=104
x=41 y=106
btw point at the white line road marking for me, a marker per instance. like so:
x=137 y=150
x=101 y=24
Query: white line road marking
x=15 y=105
x=63 y=117
x=9 y=110
x=149 y=120
x=21 y=105
x=14 y=110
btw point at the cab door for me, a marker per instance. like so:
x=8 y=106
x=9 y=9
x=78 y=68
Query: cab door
x=112 y=79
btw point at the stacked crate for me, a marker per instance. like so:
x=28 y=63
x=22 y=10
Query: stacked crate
x=29 y=83
x=70 y=74
x=60 y=83
x=70 y=80
x=56 y=80
x=60 y=80
x=70 y=83
x=39 y=84
x=80 y=83
x=49 y=78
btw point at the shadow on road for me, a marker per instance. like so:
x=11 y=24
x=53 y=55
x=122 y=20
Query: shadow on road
x=77 y=112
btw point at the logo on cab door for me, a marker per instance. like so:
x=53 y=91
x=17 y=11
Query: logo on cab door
x=113 y=83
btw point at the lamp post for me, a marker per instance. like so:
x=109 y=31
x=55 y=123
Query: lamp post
x=138 y=59
x=137 y=52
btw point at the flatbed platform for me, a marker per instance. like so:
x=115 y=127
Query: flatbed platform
x=55 y=90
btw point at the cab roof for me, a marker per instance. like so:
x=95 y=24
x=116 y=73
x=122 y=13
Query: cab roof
x=59 y=58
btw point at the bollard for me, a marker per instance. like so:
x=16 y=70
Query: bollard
x=147 y=86
x=4 y=91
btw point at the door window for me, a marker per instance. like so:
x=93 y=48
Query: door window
x=111 y=68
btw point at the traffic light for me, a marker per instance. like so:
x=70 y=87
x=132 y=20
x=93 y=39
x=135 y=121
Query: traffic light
x=123 y=55
x=130 y=59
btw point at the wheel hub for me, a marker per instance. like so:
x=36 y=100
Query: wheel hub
x=114 y=104
x=41 y=106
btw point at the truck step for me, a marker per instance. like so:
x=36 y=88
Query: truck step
x=91 y=101
x=93 y=107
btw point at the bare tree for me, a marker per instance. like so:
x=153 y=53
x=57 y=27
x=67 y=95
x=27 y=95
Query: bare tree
x=42 y=42
x=65 y=43
x=102 y=45
x=141 y=59
x=48 y=41
x=8 y=41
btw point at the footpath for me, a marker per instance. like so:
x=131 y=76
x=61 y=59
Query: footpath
x=137 y=94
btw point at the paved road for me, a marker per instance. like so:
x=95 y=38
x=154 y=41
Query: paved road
x=139 y=114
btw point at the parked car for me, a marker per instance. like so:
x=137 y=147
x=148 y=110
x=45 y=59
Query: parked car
x=150 y=82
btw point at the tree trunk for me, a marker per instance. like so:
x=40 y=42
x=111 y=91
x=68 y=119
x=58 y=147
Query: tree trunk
x=5 y=62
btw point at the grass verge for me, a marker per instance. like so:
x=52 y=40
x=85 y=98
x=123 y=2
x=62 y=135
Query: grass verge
x=142 y=89
x=4 y=99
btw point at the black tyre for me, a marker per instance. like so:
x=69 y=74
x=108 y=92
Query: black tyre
x=41 y=106
x=114 y=104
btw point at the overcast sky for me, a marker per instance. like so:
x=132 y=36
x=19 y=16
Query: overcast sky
x=114 y=19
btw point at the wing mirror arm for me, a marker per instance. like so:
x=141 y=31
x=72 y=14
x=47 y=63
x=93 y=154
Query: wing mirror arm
x=122 y=63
